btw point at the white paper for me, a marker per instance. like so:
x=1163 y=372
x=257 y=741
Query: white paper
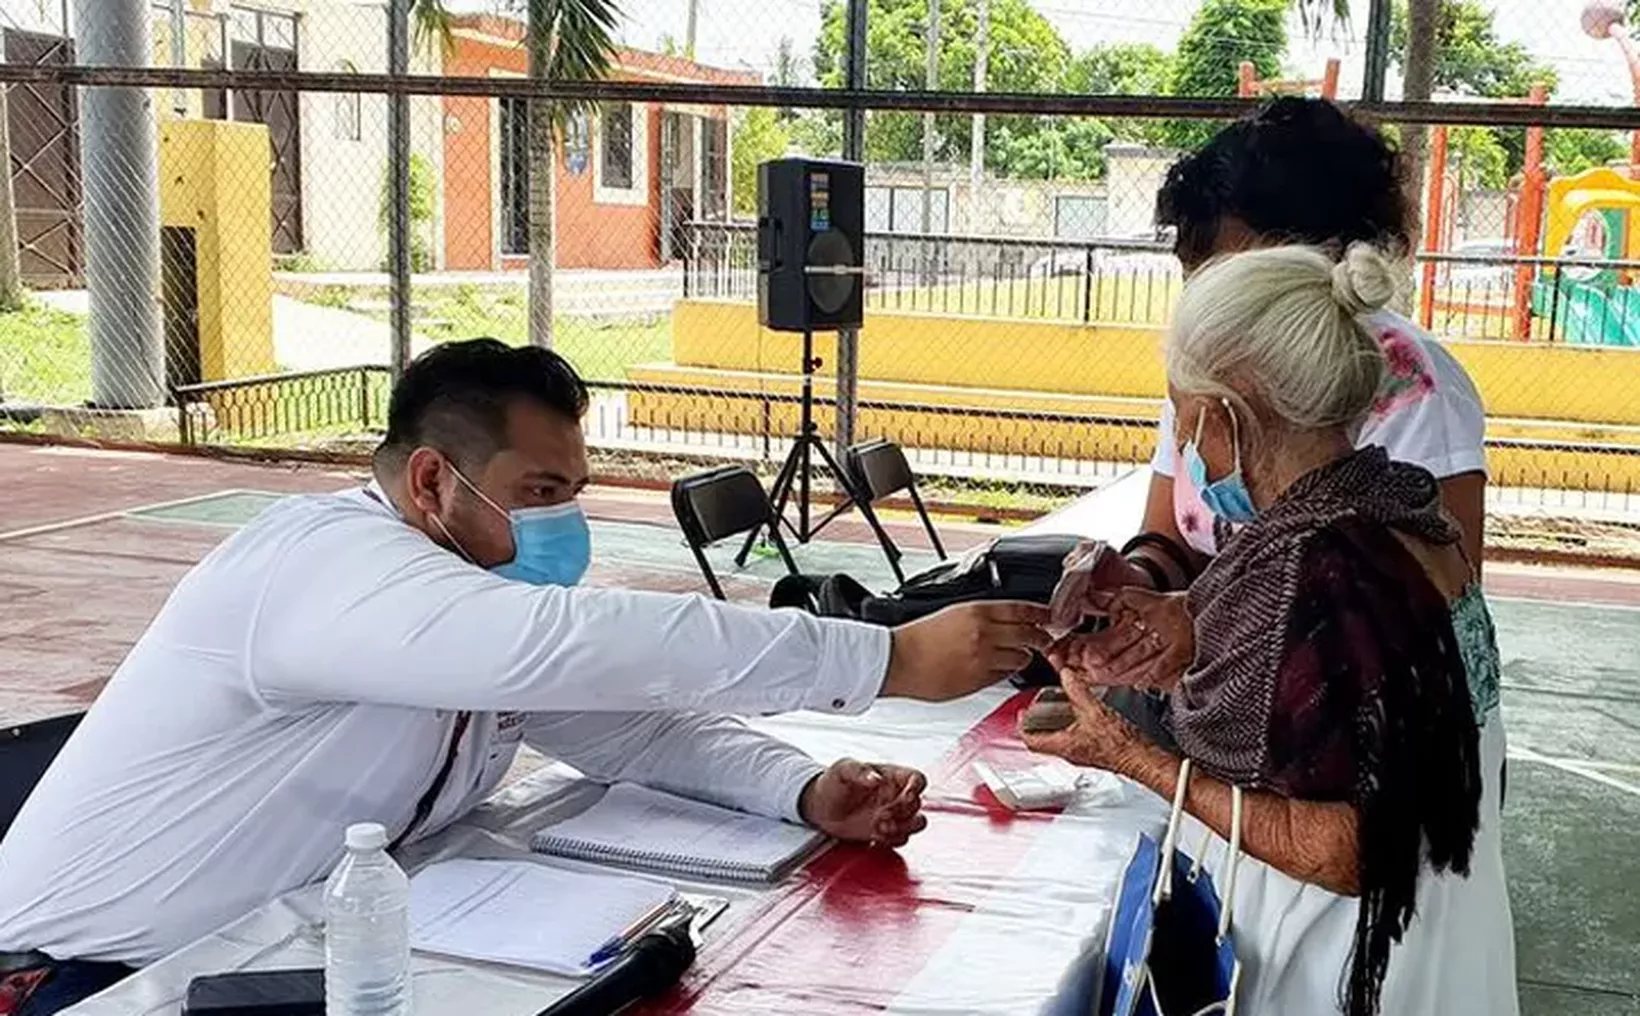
x=524 y=914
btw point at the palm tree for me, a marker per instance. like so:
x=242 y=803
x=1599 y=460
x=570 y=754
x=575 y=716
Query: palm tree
x=1318 y=14
x=1417 y=84
x=567 y=40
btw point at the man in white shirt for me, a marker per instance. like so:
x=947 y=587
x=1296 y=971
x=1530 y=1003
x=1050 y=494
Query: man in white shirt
x=356 y=657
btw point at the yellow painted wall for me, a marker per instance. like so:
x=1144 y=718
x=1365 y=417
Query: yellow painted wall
x=1521 y=453
x=1558 y=416
x=214 y=178
x=1015 y=353
x=961 y=419
x=1536 y=381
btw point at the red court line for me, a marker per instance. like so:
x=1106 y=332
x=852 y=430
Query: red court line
x=857 y=925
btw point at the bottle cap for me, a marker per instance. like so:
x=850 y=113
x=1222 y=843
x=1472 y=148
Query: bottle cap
x=366 y=836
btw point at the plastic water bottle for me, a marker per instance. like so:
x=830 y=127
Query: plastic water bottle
x=367 y=930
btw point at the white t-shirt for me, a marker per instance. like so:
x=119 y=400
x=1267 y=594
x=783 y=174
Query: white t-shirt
x=1444 y=432
x=306 y=675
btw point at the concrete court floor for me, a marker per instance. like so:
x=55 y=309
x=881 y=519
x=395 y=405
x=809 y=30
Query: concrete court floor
x=90 y=543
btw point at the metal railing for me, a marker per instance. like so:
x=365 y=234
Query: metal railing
x=342 y=401
x=1119 y=279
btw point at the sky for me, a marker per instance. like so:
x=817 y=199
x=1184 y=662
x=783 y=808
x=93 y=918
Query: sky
x=739 y=33
x=747 y=33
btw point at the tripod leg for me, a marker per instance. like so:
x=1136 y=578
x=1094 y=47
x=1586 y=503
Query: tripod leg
x=777 y=496
x=804 y=531
x=850 y=497
x=783 y=495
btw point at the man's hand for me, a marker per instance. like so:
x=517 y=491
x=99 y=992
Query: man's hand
x=1149 y=644
x=964 y=648
x=876 y=804
x=1094 y=568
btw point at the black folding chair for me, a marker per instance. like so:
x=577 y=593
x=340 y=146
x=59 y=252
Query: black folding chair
x=879 y=469
x=721 y=503
x=26 y=752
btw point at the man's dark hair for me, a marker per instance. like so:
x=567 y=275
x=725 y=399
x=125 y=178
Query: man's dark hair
x=455 y=398
x=1297 y=171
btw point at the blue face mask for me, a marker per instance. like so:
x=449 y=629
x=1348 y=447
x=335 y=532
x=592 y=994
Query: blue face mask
x=552 y=546
x=1226 y=498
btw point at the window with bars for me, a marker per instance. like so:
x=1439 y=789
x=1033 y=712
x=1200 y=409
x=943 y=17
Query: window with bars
x=515 y=175
x=615 y=146
x=714 y=171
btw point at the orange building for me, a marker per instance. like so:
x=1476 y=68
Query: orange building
x=628 y=176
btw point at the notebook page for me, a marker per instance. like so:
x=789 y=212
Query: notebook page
x=524 y=914
x=636 y=820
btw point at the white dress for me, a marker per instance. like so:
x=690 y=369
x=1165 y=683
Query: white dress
x=1458 y=955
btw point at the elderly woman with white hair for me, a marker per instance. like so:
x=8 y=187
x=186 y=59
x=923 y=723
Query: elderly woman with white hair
x=1345 y=668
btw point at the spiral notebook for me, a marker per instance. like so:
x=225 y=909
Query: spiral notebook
x=636 y=827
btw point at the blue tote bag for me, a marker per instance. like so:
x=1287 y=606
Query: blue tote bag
x=1170 y=951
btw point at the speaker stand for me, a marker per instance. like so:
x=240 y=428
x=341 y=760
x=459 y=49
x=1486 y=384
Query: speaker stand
x=797 y=470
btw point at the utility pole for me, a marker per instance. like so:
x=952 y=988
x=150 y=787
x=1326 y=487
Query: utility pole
x=11 y=271
x=1377 y=57
x=976 y=145
x=398 y=172
x=119 y=169
x=931 y=82
x=179 y=54
x=689 y=29
x=854 y=150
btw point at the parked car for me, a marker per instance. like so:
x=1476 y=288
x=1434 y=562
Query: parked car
x=1486 y=267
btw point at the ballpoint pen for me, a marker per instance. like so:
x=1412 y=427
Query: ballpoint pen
x=655 y=915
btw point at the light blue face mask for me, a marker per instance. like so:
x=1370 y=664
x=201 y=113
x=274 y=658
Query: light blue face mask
x=552 y=546
x=1226 y=498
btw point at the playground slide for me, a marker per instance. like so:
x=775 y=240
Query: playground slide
x=1585 y=315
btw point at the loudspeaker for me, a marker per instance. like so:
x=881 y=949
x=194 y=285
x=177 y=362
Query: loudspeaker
x=810 y=244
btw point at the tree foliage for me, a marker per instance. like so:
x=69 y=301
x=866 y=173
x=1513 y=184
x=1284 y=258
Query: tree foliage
x=423 y=198
x=1125 y=69
x=1223 y=35
x=759 y=135
x=1068 y=149
x=1470 y=59
x=1569 y=150
x=1478 y=157
x=1026 y=54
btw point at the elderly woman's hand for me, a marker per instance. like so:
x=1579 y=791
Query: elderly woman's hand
x=1090 y=573
x=1149 y=643
x=1095 y=736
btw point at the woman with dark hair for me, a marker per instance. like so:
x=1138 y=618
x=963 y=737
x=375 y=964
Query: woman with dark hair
x=1303 y=171
x=1344 y=672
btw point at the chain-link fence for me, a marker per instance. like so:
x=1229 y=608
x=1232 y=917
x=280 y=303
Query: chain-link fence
x=1016 y=285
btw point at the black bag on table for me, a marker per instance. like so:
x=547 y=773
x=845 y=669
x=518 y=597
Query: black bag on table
x=1024 y=567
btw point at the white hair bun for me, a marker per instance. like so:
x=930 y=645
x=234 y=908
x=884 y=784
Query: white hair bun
x=1364 y=281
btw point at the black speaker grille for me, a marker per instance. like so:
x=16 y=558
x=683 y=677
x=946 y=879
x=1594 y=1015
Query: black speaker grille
x=831 y=292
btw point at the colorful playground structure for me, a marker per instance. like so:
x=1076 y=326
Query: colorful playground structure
x=1569 y=273
x=1566 y=278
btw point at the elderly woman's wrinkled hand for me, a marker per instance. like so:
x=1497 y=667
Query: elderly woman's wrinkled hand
x=1096 y=737
x=1090 y=574
x=1148 y=644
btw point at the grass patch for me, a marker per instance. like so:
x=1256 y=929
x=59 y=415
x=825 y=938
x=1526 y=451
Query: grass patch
x=45 y=357
x=599 y=349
